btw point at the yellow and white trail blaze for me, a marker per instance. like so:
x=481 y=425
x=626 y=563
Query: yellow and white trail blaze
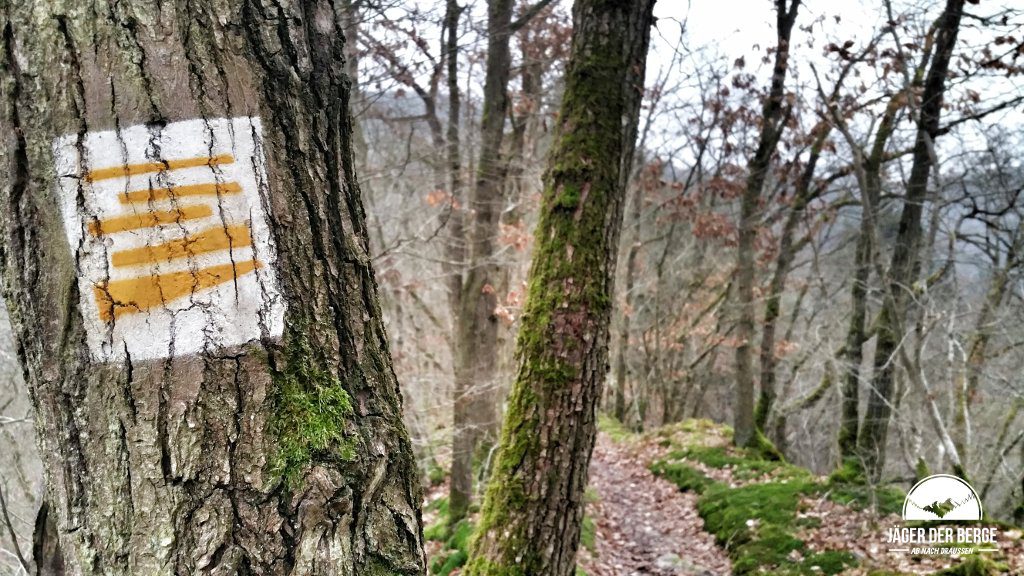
x=168 y=226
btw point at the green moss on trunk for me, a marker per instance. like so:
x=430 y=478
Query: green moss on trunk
x=530 y=521
x=312 y=411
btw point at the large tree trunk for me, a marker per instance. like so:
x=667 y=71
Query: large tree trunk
x=476 y=355
x=530 y=522
x=772 y=125
x=195 y=418
x=905 y=265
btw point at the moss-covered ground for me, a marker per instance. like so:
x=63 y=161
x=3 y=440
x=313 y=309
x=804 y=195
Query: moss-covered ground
x=455 y=539
x=760 y=509
x=769 y=516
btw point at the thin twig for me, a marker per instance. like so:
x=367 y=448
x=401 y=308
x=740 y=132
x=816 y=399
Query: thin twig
x=10 y=529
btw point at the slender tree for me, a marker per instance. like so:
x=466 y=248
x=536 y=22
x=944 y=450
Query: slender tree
x=773 y=117
x=530 y=522
x=868 y=170
x=254 y=427
x=476 y=331
x=455 y=247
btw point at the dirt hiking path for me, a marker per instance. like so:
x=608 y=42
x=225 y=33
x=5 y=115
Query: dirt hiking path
x=644 y=524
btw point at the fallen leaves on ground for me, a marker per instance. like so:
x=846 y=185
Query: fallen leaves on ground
x=645 y=525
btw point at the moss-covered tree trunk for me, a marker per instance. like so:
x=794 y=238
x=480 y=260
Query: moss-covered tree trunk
x=905 y=265
x=531 y=515
x=217 y=451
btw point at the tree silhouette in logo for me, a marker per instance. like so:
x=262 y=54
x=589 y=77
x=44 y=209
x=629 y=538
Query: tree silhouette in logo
x=941 y=508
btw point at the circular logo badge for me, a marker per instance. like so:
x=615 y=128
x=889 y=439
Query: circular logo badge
x=942 y=497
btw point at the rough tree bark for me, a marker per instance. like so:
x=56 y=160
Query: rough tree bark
x=905 y=265
x=772 y=124
x=530 y=521
x=279 y=455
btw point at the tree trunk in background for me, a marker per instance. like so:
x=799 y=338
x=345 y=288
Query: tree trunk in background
x=967 y=385
x=275 y=455
x=788 y=249
x=455 y=253
x=530 y=522
x=622 y=346
x=476 y=356
x=864 y=258
x=772 y=125
x=905 y=266
x=455 y=247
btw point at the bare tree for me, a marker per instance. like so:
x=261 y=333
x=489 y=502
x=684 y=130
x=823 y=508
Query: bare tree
x=905 y=265
x=476 y=354
x=773 y=120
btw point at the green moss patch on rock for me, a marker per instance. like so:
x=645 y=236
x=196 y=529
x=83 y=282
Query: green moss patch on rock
x=615 y=430
x=743 y=465
x=456 y=550
x=830 y=561
x=883 y=499
x=753 y=509
x=772 y=517
x=976 y=566
x=758 y=525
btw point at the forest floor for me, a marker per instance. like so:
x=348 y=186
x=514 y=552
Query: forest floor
x=643 y=524
x=765 y=517
x=679 y=501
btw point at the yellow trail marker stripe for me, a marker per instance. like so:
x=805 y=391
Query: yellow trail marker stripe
x=135 y=295
x=148 y=219
x=146 y=167
x=209 y=240
x=179 y=192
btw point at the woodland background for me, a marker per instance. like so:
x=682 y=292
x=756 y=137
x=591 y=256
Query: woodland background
x=677 y=323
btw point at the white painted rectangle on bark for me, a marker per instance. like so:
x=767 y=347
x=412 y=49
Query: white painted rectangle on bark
x=168 y=228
